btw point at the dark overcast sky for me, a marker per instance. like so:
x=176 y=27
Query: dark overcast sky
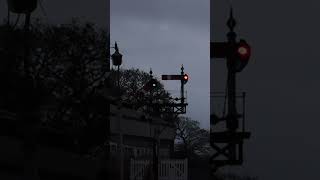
x=281 y=80
x=162 y=35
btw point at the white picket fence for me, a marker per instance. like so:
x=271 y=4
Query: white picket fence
x=171 y=169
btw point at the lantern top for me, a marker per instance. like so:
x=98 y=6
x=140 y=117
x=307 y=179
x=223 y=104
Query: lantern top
x=116 y=56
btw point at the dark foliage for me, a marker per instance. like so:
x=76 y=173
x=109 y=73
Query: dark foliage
x=133 y=94
x=58 y=71
x=192 y=141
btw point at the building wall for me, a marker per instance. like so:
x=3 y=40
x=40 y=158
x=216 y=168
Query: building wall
x=138 y=133
x=132 y=123
x=47 y=162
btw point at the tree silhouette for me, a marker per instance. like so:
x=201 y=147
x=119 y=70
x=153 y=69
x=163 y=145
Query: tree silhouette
x=191 y=139
x=70 y=64
x=132 y=82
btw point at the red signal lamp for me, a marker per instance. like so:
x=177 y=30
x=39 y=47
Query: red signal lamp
x=242 y=55
x=185 y=77
x=243 y=50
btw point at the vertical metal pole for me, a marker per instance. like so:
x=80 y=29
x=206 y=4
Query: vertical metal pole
x=119 y=78
x=121 y=144
x=244 y=112
x=182 y=86
x=155 y=156
x=155 y=146
x=108 y=155
x=232 y=120
x=158 y=155
x=30 y=170
x=120 y=130
x=232 y=123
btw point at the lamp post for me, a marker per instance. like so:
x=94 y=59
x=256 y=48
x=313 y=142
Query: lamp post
x=155 y=144
x=117 y=61
x=30 y=110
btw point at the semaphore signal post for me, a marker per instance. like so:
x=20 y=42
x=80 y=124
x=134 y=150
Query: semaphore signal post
x=228 y=141
x=180 y=107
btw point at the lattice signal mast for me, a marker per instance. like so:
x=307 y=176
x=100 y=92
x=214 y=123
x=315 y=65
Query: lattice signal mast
x=177 y=107
x=228 y=140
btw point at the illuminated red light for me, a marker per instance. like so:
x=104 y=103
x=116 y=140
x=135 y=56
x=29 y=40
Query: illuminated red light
x=242 y=55
x=244 y=51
